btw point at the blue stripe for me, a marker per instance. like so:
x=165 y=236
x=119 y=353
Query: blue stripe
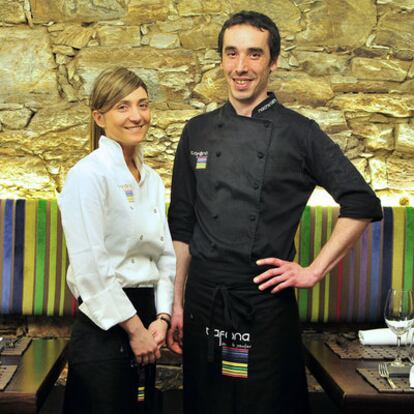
x=351 y=285
x=18 y=257
x=7 y=256
x=363 y=277
x=374 y=310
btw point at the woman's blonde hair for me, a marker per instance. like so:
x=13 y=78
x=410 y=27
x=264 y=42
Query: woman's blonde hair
x=109 y=88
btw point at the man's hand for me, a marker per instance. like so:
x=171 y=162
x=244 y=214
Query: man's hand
x=285 y=274
x=175 y=334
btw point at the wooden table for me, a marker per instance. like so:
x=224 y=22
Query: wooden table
x=38 y=369
x=348 y=389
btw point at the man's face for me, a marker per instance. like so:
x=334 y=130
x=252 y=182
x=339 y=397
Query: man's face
x=246 y=64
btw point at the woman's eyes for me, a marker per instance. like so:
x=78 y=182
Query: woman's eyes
x=142 y=105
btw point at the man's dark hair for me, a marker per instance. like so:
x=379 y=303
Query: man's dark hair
x=255 y=19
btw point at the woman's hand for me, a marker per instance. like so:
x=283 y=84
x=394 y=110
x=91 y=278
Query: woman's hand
x=141 y=340
x=158 y=329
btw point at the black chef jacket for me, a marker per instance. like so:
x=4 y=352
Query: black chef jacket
x=240 y=184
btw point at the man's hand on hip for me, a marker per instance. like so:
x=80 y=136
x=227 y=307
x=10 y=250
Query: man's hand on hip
x=284 y=274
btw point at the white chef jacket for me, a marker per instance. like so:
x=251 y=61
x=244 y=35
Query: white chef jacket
x=116 y=234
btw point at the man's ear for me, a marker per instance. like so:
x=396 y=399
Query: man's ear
x=273 y=65
x=99 y=118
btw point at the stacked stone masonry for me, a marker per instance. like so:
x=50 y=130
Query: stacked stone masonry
x=346 y=63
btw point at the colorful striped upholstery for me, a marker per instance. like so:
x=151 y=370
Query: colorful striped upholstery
x=33 y=262
x=356 y=289
x=33 y=259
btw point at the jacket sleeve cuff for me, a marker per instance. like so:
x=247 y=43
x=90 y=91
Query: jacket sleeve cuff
x=163 y=296
x=368 y=207
x=108 y=308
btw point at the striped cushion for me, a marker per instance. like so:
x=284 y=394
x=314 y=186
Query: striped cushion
x=355 y=290
x=33 y=259
x=33 y=262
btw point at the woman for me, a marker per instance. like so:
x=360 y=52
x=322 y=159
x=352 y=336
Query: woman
x=122 y=262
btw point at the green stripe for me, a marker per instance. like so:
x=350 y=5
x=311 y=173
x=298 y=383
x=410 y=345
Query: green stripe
x=328 y=276
x=40 y=257
x=52 y=258
x=63 y=278
x=304 y=259
x=409 y=248
x=233 y=368
x=317 y=242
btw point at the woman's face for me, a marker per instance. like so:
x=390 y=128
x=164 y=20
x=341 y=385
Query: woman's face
x=127 y=122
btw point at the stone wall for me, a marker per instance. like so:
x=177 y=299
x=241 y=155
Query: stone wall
x=346 y=63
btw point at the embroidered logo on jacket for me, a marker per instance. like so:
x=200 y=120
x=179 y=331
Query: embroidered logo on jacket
x=201 y=159
x=129 y=192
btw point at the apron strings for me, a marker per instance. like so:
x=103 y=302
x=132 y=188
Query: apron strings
x=235 y=307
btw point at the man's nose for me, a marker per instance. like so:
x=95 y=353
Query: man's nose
x=241 y=64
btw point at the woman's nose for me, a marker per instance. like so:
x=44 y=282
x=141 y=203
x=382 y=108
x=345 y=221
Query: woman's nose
x=135 y=114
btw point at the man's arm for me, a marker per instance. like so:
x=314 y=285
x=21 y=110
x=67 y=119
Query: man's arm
x=175 y=334
x=290 y=274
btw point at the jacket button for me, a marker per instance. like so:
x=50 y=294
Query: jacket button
x=155 y=211
x=252 y=217
x=213 y=245
x=141 y=237
x=218 y=153
x=267 y=124
x=162 y=238
x=260 y=155
x=132 y=260
x=256 y=186
x=215 y=216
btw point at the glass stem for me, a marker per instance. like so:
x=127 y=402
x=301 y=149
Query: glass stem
x=398 y=358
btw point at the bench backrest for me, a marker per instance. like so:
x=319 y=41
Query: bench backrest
x=355 y=290
x=33 y=259
x=33 y=263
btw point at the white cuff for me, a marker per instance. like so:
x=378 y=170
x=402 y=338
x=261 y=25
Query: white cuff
x=108 y=308
x=163 y=296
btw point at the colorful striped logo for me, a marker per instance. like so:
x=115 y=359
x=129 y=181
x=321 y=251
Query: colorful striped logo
x=201 y=163
x=129 y=192
x=235 y=362
x=141 y=394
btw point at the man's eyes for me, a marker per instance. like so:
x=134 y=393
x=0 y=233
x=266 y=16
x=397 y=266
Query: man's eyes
x=255 y=55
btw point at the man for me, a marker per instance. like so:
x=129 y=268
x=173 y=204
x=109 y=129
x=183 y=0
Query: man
x=242 y=176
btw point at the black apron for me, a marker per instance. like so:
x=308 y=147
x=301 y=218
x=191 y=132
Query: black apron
x=103 y=376
x=242 y=351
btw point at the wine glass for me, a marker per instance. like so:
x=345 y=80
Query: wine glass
x=399 y=316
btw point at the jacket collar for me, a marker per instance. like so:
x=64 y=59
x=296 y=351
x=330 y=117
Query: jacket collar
x=113 y=150
x=262 y=107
